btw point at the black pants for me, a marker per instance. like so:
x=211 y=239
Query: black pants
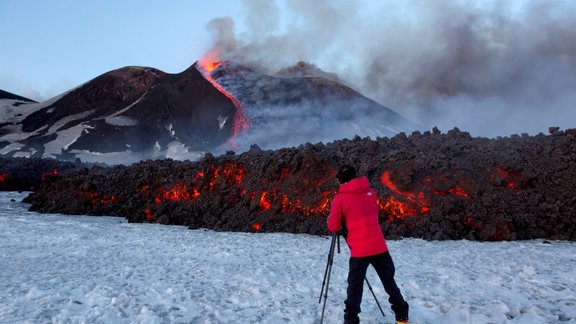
x=384 y=267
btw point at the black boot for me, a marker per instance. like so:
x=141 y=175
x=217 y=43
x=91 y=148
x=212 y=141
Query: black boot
x=351 y=318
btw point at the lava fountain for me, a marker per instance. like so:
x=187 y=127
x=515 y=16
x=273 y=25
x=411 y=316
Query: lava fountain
x=207 y=65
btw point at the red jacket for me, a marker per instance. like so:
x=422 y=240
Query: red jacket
x=355 y=204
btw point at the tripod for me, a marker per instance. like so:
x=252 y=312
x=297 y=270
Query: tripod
x=326 y=281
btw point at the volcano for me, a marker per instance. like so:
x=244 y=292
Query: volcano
x=11 y=96
x=293 y=107
x=138 y=113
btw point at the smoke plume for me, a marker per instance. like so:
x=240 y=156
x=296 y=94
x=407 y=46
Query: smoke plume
x=488 y=67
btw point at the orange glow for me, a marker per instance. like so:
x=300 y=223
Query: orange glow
x=458 y=192
x=149 y=215
x=396 y=209
x=412 y=203
x=207 y=65
x=229 y=172
x=100 y=199
x=323 y=206
x=178 y=192
x=264 y=201
x=49 y=173
x=509 y=178
x=209 y=61
x=471 y=223
x=232 y=173
x=318 y=206
x=3 y=176
x=284 y=173
x=230 y=176
x=210 y=66
x=256 y=227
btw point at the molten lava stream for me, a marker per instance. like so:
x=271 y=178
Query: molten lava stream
x=416 y=202
x=240 y=124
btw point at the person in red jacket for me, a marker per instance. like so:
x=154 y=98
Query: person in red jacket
x=355 y=212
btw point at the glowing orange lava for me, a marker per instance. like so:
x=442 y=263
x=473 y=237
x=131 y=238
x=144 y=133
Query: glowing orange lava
x=412 y=203
x=264 y=201
x=100 y=199
x=178 y=192
x=458 y=192
x=509 y=178
x=3 y=176
x=317 y=206
x=233 y=173
x=149 y=215
x=207 y=65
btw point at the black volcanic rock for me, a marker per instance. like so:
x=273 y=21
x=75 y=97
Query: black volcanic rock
x=429 y=185
x=26 y=174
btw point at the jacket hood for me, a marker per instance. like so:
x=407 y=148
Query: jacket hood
x=358 y=185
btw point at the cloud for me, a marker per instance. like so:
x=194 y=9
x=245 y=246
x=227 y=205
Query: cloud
x=489 y=67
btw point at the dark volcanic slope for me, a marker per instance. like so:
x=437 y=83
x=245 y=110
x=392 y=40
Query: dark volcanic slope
x=183 y=107
x=138 y=113
x=132 y=113
x=11 y=96
x=288 y=111
x=99 y=97
x=430 y=185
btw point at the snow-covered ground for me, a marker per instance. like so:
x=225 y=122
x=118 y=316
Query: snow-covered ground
x=81 y=269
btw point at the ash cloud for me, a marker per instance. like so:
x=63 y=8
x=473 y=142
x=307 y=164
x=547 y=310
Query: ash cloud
x=489 y=67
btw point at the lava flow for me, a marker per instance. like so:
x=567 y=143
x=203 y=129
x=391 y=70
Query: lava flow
x=206 y=65
x=410 y=205
x=509 y=178
x=3 y=176
x=47 y=174
x=100 y=199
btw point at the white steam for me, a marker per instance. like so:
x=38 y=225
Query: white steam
x=489 y=67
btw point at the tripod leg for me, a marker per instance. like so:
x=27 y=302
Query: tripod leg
x=327 y=275
x=328 y=266
x=325 y=295
x=376 y=299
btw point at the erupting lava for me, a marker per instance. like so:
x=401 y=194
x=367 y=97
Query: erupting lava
x=206 y=65
x=415 y=203
x=229 y=177
x=318 y=206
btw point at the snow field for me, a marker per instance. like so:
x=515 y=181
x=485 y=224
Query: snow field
x=83 y=269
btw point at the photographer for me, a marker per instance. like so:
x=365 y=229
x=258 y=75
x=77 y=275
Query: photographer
x=355 y=212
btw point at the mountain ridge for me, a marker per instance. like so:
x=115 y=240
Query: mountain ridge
x=135 y=113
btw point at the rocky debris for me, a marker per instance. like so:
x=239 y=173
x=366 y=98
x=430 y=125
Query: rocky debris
x=23 y=174
x=430 y=185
